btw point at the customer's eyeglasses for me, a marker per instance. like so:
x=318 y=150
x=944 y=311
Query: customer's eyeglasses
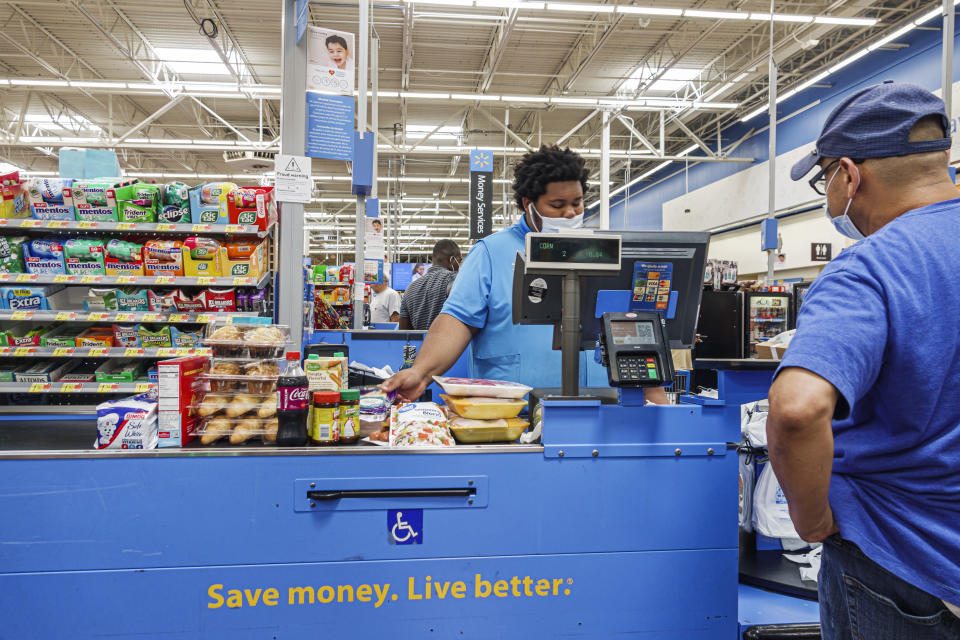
x=819 y=182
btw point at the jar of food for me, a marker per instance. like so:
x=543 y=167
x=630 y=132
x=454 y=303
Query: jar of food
x=349 y=416
x=324 y=429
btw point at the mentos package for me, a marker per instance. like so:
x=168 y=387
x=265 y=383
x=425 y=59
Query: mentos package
x=126 y=335
x=130 y=423
x=150 y=338
x=124 y=258
x=132 y=300
x=208 y=202
x=44 y=256
x=50 y=198
x=11 y=254
x=27 y=298
x=83 y=256
x=184 y=338
x=94 y=199
x=163 y=258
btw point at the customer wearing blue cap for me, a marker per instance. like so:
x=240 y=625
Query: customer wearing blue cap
x=864 y=423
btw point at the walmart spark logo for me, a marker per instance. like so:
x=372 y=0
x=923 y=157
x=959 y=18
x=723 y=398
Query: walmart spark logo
x=481 y=160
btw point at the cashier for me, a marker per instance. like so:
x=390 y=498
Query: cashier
x=548 y=187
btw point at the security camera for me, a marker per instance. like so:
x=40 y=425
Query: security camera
x=686 y=210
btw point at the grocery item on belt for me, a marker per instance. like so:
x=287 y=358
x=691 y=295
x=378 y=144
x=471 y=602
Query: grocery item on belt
x=44 y=256
x=83 y=256
x=153 y=338
x=176 y=194
x=419 y=424
x=126 y=335
x=100 y=300
x=95 y=337
x=241 y=416
x=11 y=254
x=244 y=376
x=471 y=431
x=476 y=387
x=163 y=258
x=219 y=300
x=132 y=299
x=130 y=423
x=183 y=338
x=481 y=408
x=326 y=373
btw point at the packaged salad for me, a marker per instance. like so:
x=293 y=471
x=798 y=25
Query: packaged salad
x=419 y=424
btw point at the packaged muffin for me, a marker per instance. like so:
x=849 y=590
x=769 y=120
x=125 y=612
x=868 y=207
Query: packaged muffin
x=225 y=340
x=267 y=341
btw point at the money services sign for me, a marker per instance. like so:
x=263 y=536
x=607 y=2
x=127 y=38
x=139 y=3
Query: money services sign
x=481 y=193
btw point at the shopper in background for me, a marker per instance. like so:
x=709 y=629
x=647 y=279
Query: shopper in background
x=548 y=187
x=876 y=352
x=424 y=298
x=385 y=302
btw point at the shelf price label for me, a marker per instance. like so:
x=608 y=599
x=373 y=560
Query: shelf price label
x=204 y=318
x=39 y=387
x=4 y=277
x=126 y=317
x=63 y=352
x=63 y=316
x=164 y=352
x=126 y=226
x=200 y=227
x=5 y=351
x=62 y=278
x=107 y=387
x=97 y=317
x=126 y=279
x=184 y=351
x=87 y=224
x=179 y=317
x=30 y=223
x=90 y=279
x=19 y=352
x=152 y=317
x=57 y=224
x=234 y=228
x=133 y=352
x=164 y=280
x=204 y=280
x=166 y=227
x=98 y=352
x=21 y=315
x=70 y=387
x=26 y=277
x=243 y=282
x=143 y=386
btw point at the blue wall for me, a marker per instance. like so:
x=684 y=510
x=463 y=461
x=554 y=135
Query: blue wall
x=920 y=63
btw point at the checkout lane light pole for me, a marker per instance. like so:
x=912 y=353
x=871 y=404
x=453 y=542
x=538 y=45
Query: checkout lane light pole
x=362 y=63
x=772 y=152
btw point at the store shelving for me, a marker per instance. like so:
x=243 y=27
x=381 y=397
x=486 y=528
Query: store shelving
x=118 y=316
x=29 y=224
x=101 y=352
x=76 y=387
x=148 y=281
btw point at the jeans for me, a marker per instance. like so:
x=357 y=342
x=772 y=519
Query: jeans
x=860 y=600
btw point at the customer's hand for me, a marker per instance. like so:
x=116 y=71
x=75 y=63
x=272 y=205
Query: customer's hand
x=817 y=529
x=408 y=383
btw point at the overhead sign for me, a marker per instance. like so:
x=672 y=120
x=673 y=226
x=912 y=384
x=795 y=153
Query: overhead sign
x=329 y=126
x=481 y=193
x=330 y=61
x=293 y=180
x=821 y=251
x=301 y=18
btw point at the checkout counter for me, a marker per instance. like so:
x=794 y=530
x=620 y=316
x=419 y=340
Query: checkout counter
x=622 y=521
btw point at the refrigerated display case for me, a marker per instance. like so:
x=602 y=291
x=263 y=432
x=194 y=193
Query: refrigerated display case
x=799 y=291
x=767 y=314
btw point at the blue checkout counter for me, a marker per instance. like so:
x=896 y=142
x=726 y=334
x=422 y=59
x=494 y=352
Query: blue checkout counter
x=622 y=522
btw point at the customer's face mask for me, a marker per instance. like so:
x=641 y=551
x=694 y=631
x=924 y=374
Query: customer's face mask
x=555 y=225
x=843 y=223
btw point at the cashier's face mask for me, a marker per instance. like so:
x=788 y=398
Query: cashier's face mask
x=843 y=224
x=556 y=225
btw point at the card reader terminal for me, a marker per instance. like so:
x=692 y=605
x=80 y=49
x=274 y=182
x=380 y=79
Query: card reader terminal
x=635 y=349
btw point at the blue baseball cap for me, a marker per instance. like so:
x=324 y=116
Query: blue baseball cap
x=875 y=123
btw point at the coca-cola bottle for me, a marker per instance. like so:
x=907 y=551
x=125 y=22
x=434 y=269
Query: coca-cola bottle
x=292 y=403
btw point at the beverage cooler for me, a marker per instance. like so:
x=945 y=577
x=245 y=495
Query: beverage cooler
x=766 y=315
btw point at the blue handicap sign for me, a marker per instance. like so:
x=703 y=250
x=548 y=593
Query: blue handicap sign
x=405 y=526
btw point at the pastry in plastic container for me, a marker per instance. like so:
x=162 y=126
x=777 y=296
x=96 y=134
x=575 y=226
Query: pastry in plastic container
x=241 y=416
x=484 y=408
x=244 y=376
x=471 y=431
x=267 y=341
x=237 y=430
x=225 y=340
x=477 y=387
x=228 y=340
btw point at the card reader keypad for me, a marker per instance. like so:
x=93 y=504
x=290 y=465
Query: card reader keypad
x=637 y=368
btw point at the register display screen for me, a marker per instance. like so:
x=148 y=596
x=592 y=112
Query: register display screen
x=632 y=333
x=589 y=250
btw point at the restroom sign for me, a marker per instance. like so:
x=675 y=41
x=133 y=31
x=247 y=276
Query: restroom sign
x=821 y=251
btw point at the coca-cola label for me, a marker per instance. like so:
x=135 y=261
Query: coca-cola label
x=292 y=398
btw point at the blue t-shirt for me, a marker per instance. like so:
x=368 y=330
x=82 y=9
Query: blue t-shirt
x=882 y=325
x=482 y=297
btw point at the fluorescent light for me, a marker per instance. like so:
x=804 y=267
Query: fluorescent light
x=814 y=80
x=933 y=13
x=890 y=38
x=209 y=86
x=510 y=4
x=854 y=22
x=474 y=96
x=672 y=79
x=527 y=98
x=780 y=17
x=98 y=85
x=582 y=8
x=754 y=114
x=720 y=15
x=193 y=61
x=650 y=11
x=39 y=83
x=425 y=95
x=460 y=16
x=850 y=60
x=584 y=101
x=689 y=150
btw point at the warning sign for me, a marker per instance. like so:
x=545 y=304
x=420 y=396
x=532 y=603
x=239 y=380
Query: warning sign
x=293 y=180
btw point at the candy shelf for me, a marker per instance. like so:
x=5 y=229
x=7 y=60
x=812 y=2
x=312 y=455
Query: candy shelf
x=29 y=224
x=149 y=281
x=76 y=387
x=119 y=316
x=101 y=352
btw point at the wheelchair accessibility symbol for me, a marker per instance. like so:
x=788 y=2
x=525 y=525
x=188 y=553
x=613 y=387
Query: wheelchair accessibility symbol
x=405 y=526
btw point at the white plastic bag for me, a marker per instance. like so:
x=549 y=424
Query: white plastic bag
x=756 y=433
x=771 y=515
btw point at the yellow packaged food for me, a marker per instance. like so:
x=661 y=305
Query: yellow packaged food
x=470 y=431
x=484 y=408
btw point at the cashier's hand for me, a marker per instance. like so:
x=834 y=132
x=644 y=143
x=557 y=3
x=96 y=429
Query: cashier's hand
x=408 y=383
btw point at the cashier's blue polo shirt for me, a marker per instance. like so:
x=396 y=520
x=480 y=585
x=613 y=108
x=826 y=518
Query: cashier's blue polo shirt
x=882 y=324
x=482 y=297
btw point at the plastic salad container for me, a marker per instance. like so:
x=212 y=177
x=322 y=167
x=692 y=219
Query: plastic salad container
x=475 y=387
x=484 y=408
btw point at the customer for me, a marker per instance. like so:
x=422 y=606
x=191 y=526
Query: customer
x=385 y=303
x=425 y=296
x=877 y=351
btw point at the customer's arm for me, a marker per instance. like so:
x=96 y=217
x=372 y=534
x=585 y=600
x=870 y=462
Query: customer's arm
x=443 y=344
x=800 y=441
